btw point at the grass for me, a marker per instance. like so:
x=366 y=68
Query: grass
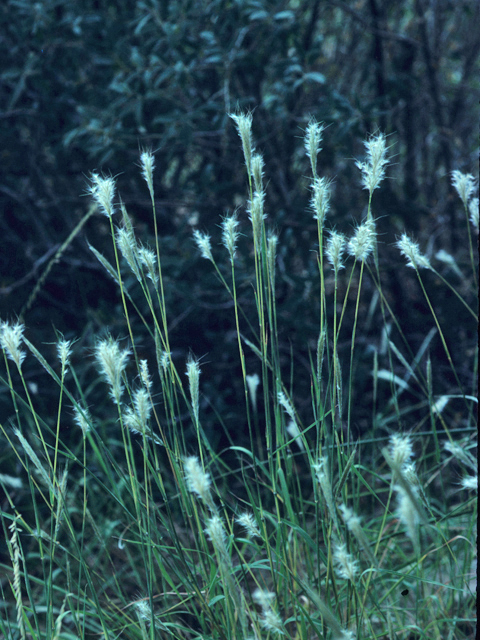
x=135 y=527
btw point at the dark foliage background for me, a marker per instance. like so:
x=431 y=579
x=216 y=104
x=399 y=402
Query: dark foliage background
x=84 y=85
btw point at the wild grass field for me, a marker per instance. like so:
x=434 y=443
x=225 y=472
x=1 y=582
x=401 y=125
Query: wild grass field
x=129 y=524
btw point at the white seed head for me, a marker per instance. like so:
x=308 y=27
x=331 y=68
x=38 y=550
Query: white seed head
x=408 y=515
x=257 y=171
x=193 y=374
x=147 y=162
x=334 y=250
x=34 y=458
x=149 y=260
x=473 y=209
x=256 y=216
x=313 y=138
x=197 y=480
x=82 y=419
x=363 y=242
x=244 y=127
x=112 y=362
x=410 y=474
x=248 y=521
x=464 y=184
x=103 y=192
x=10 y=340
x=216 y=533
x=346 y=566
x=230 y=234
x=411 y=251
x=145 y=374
x=143 y=610
x=263 y=597
x=286 y=404
x=401 y=449
x=461 y=454
x=127 y=243
x=272 y=622
x=351 y=519
x=440 y=404
x=470 y=483
x=137 y=418
x=202 y=241
x=374 y=170
x=320 y=200
x=64 y=352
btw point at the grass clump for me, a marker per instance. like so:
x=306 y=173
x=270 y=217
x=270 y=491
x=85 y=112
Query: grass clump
x=136 y=527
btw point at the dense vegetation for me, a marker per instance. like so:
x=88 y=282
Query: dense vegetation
x=271 y=360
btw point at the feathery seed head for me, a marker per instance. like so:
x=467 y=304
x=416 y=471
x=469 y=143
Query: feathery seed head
x=401 y=449
x=143 y=610
x=461 y=454
x=464 y=184
x=408 y=515
x=362 y=243
x=470 y=483
x=112 y=362
x=147 y=162
x=82 y=419
x=352 y=522
x=272 y=622
x=351 y=519
x=127 y=243
x=137 y=418
x=323 y=477
x=164 y=360
x=145 y=374
x=149 y=260
x=313 y=138
x=34 y=458
x=374 y=170
x=202 y=241
x=248 y=521
x=334 y=250
x=411 y=251
x=244 y=127
x=263 y=597
x=10 y=340
x=256 y=216
x=197 y=480
x=440 y=404
x=193 y=374
x=230 y=234
x=411 y=476
x=320 y=200
x=286 y=404
x=103 y=192
x=272 y=241
x=257 y=171
x=64 y=352
x=473 y=209
x=346 y=566
x=216 y=533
